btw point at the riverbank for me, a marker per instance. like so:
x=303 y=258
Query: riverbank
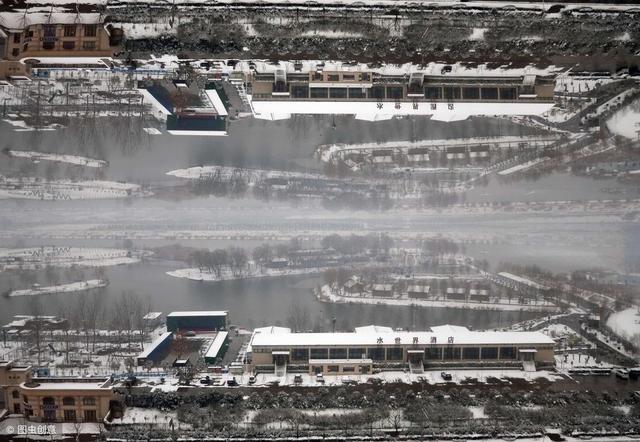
x=326 y=294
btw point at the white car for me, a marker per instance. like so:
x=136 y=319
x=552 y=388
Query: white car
x=621 y=373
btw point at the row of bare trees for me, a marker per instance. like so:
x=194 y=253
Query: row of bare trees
x=87 y=319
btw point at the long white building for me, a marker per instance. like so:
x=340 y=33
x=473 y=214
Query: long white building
x=366 y=347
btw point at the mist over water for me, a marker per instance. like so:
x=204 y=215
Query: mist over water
x=556 y=243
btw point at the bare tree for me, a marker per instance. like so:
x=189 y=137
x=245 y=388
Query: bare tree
x=36 y=326
x=298 y=318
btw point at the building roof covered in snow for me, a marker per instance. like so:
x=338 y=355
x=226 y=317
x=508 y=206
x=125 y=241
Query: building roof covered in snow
x=372 y=337
x=18 y=21
x=373 y=329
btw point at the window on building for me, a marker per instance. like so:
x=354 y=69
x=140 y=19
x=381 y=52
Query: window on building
x=470 y=93
x=365 y=77
x=451 y=353
x=89 y=401
x=15 y=394
x=348 y=77
x=376 y=353
x=317 y=76
x=25 y=47
x=451 y=92
x=508 y=93
x=357 y=353
x=489 y=93
x=17 y=38
x=489 y=353
x=300 y=354
x=338 y=92
x=69 y=30
x=90 y=416
x=319 y=92
x=333 y=77
x=25 y=399
x=338 y=353
x=299 y=91
x=433 y=93
x=48 y=45
x=70 y=415
x=48 y=401
x=507 y=352
x=376 y=92
x=17 y=409
x=471 y=353
x=15 y=52
x=319 y=353
x=395 y=92
x=356 y=92
x=333 y=368
x=90 y=30
x=68 y=45
x=49 y=31
x=348 y=369
x=395 y=354
x=68 y=401
x=432 y=353
x=88 y=45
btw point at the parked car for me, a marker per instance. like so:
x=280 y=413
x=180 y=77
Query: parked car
x=320 y=378
x=274 y=383
x=348 y=381
x=374 y=381
x=252 y=380
x=446 y=376
x=232 y=382
x=446 y=69
x=190 y=334
x=621 y=373
x=297 y=379
x=205 y=381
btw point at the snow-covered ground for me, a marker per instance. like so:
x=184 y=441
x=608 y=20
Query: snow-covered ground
x=328 y=295
x=197 y=274
x=252 y=175
x=137 y=415
x=37 y=257
x=477 y=34
x=39 y=189
x=62 y=288
x=148 y=30
x=431 y=376
x=522 y=167
x=59 y=158
x=626 y=122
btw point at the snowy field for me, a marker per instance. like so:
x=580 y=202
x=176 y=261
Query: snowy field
x=62 y=288
x=37 y=257
x=38 y=189
x=197 y=274
x=433 y=377
x=522 y=167
x=226 y=173
x=58 y=158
